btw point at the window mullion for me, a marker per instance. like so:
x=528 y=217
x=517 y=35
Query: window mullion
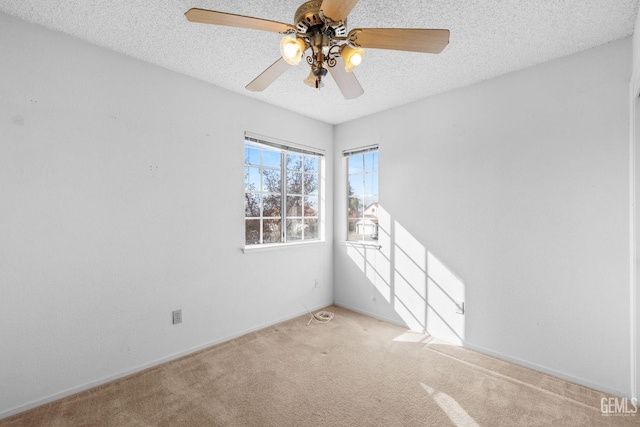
x=261 y=197
x=364 y=192
x=261 y=219
x=302 y=195
x=283 y=196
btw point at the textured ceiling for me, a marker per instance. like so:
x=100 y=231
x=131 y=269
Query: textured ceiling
x=488 y=38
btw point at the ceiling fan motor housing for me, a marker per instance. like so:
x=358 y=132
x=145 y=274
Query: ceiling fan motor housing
x=308 y=18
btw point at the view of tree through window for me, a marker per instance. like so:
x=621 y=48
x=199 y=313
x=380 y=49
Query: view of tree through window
x=281 y=194
x=362 y=173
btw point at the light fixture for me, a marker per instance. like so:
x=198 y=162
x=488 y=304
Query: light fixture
x=319 y=34
x=352 y=56
x=291 y=49
x=314 y=81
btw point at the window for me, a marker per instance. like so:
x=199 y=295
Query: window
x=281 y=192
x=362 y=202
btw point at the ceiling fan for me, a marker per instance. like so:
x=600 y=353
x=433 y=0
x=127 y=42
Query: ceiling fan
x=320 y=27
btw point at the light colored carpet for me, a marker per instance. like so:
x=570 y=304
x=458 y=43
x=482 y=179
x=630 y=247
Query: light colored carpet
x=352 y=371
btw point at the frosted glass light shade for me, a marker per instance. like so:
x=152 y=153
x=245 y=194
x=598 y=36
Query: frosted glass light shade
x=352 y=57
x=291 y=49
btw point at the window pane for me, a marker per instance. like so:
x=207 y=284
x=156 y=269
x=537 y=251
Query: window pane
x=352 y=229
x=311 y=164
x=251 y=205
x=370 y=200
x=271 y=231
x=310 y=206
x=356 y=186
x=271 y=206
x=251 y=155
x=252 y=231
x=294 y=162
x=294 y=206
x=294 y=183
x=367 y=229
x=356 y=164
x=272 y=159
x=294 y=229
x=371 y=161
x=374 y=232
x=251 y=179
x=371 y=184
x=311 y=229
x=310 y=183
x=272 y=180
x=356 y=207
x=362 y=182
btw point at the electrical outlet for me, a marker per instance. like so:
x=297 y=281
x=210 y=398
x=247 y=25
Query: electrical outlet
x=177 y=316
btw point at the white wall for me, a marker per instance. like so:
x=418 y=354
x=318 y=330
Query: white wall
x=634 y=149
x=122 y=200
x=635 y=222
x=636 y=57
x=512 y=196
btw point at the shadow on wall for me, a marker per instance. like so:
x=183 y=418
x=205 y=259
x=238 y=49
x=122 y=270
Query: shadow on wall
x=424 y=292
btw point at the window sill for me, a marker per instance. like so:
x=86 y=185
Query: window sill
x=361 y=244
x=276 y=246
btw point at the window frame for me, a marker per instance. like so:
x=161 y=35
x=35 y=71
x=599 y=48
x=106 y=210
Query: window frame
x=348 y=154
x=285 y=217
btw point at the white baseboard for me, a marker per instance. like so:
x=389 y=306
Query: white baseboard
x=504 y=357
x=139 y=368
x=539 y=368
x=367 y=313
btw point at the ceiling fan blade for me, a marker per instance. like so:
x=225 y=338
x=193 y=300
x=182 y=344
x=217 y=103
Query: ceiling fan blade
x=337 y=9
x=204 y=16
x=347 y=82
x=268 y=76
x=410 y=39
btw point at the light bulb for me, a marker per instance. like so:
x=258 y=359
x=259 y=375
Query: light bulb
x=290 y=50
x=352 y=57
x=356 y=59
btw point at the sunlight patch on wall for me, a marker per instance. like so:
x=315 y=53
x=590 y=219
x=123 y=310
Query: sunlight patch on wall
x=357 y=256
x=384 y=232
x=446 y=297
x=375 y=266
x=410 y=279
x=383 y=256
x=427 y=295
